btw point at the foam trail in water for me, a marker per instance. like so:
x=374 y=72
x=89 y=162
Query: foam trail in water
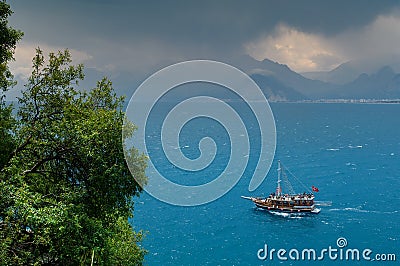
x=362 y=211
x=323 y=203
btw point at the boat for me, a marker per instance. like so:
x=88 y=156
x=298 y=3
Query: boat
x=287 y=202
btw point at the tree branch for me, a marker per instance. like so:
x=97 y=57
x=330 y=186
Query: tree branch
x=46 y=159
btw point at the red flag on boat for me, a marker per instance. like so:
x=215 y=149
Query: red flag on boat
x=315 y=189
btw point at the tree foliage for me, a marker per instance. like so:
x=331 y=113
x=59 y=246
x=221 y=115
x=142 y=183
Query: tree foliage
x=66 y=192
x=66 y=188
x=8 y=40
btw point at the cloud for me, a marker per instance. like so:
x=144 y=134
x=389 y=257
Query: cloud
x=303 y=51
x=381 y=37
x=25 y=51
x=140 y=57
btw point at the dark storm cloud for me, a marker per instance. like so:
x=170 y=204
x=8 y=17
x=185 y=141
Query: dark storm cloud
x=164 y=31
x=188 y=21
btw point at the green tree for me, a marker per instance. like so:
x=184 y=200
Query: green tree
x=8 y=40
x=65 y=189
x=67 y=192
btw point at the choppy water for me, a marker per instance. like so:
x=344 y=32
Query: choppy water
x=351 y=152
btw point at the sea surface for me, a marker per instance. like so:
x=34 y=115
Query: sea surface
x=351 y=152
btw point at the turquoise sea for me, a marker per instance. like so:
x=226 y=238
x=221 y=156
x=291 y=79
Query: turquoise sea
x=351 y=152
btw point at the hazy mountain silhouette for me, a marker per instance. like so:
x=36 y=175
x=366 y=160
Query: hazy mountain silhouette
x=363 y=79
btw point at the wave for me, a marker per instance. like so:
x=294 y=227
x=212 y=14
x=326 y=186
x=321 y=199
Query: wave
x=180 y=147
x=355 y=147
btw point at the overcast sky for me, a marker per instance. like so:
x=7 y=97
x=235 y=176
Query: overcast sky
x=142 y=37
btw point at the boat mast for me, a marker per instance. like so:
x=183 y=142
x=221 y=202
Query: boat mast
x=278 y=188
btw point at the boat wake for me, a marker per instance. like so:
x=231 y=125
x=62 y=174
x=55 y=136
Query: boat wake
x=323 y=203
x=362 y=211
x=285 y=214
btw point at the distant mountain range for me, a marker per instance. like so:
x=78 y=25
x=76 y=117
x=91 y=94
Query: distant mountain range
x=351 y=80
x=362 y=79
x=349 y=71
